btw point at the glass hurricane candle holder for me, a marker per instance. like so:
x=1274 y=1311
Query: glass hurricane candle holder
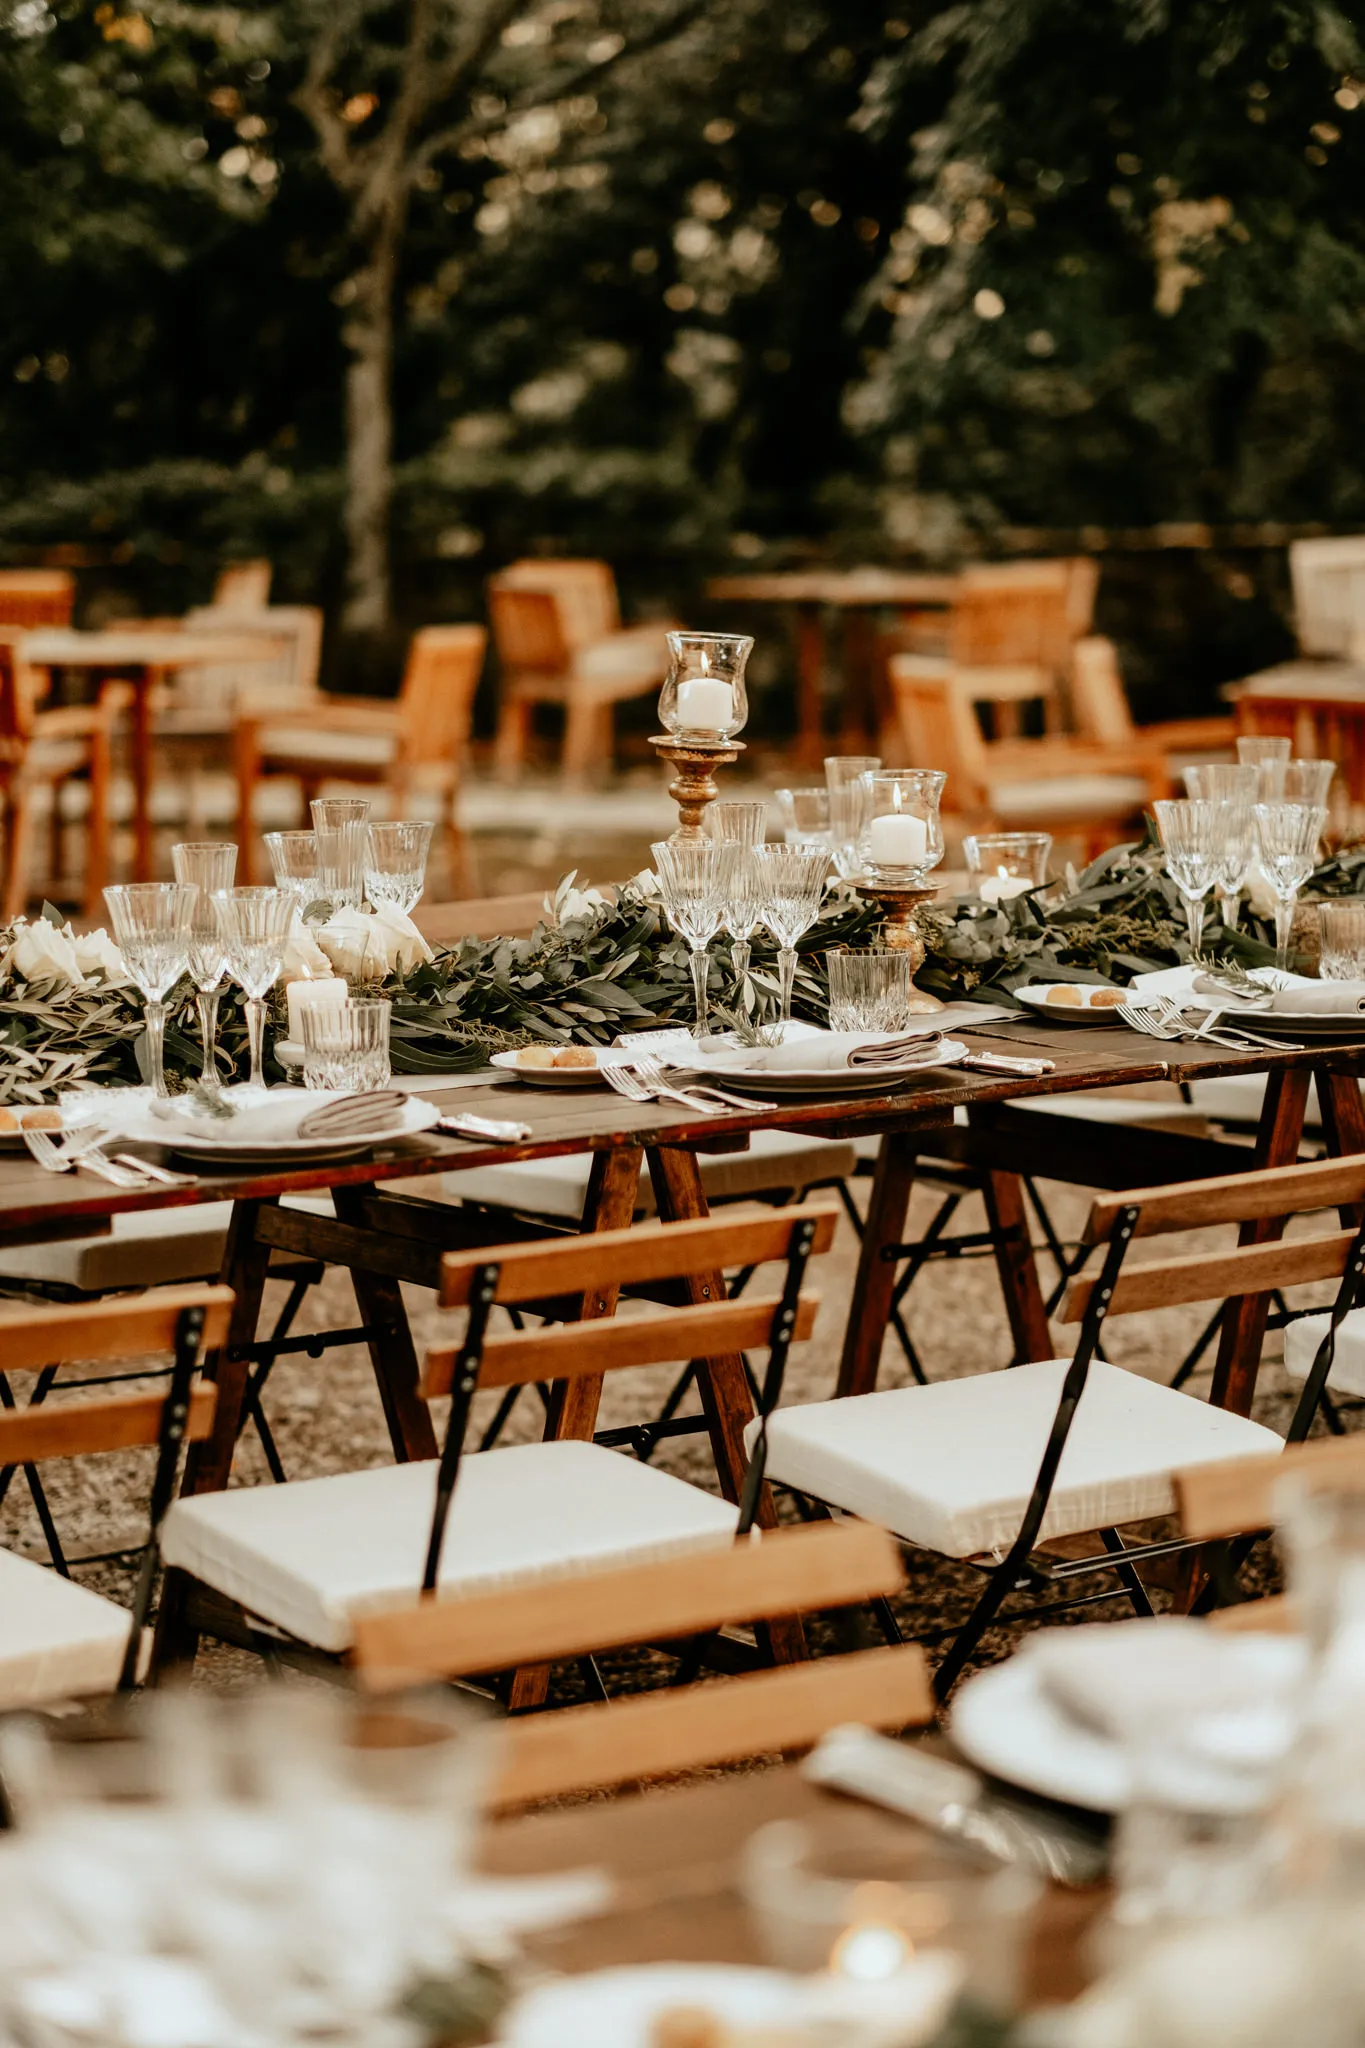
x=703 y=697
x=1005 y=864
x=903 y=838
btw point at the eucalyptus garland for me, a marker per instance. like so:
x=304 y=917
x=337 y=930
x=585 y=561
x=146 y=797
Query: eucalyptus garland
x=602 y=963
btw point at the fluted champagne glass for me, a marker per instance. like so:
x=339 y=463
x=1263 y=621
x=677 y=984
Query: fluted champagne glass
x=339 y=827
x=745 y=822
x=848 y=778
x=1233 y=782
x=1289 y=835
x=151 y=923
x=208 y=867
x=1190 y=839
x=689 y=872
x=1269 y=757
x=1232 y=861
x=741 y=900
x=793 y=888
x=255 y=926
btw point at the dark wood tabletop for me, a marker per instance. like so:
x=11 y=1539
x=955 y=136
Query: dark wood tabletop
x=673 y=1857
x=37 y=1206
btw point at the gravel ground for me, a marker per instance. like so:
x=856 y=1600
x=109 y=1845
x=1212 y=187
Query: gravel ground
x=326 y=1413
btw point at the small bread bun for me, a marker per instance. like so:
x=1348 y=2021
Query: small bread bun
x=1069 y=994
x=1107 y=998
x=536 y=1056
x=41 y=1120
x=9 y=1122
x=575 y=1056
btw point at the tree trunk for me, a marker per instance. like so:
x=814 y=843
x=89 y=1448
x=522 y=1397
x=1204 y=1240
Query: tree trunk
x=368 y=335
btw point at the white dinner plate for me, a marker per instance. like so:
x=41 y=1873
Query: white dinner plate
x=739 y=1068
x=559 y=1077
x=1041 y=996
x=249 y=1144
x=1347 y=1029
x=619 y=2008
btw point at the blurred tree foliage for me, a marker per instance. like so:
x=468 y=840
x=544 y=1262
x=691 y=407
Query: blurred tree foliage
x=878 y=278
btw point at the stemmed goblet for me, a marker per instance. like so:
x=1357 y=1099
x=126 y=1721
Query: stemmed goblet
x=741 y=899
x=793 y=887
x=1236 y=850
x=1190 y=839
x=151 y=922
x=396 y=863
x=689 y=872
x=745 y=822
x=339 y=827
x=849 y=777
x=255 y=926
x=1289 y=835
x=294 y=861
x=207 y=866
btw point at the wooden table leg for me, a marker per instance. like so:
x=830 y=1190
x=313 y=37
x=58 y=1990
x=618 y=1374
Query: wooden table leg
x=1343 y=1124
x=142 y=775
x=870 y=1311
x=1017 y=1267
x=726 y=1401
x=810 y=672
x=1244 y=1318
x=392 y=1353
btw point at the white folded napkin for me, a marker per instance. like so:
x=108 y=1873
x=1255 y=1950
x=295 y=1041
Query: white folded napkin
x=1322 y=999
x=833 y=1051
x=907 y=1048
x=1114 y=1678
x=353 y=1115
x=288 y=1114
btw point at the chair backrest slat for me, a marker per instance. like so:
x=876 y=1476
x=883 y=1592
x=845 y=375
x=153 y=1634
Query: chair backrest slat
x=123 y=1327
x=1238 y=1496
x=37 y=597
x=669 y=1251
x=78 y=1429
x=527 y=630
x=577 y=1350
x=583 y=590
x=436 y=704
x=1217 y=1276
x=791 y=1571
x=243 y=587
x=1234 y=1198
x=584 y=1749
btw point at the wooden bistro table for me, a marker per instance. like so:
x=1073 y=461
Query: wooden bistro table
x=856 y=593
x=145 y=659
x=387 y=1237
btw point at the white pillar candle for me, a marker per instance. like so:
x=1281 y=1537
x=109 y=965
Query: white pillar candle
x=322 y=992
x=1000 y=888
x=898 y=840
x=705 y=704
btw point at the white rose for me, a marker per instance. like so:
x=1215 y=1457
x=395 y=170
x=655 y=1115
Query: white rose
x=576 y=903
x=304 y=959
x=96 y=953
x=42 y=952
x=354 y=946
x=646 y=884
x=1260 y=895
x=403 y=944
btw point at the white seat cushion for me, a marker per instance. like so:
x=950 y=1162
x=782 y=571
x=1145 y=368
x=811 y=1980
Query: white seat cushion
x=1171 y=1114
x=775 y=1162
x=951 y=1466
x=144 y=1248
x=58 y=1640
x=1240 y=1098
x=310 y=1554
x=1069 y=796
x=1301 y=1341
x=339 y=749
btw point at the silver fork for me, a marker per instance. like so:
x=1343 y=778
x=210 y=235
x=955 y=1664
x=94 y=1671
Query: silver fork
x=63 y=1158
x=652 y=1073
x=1233 y=1036
x=636 y=1089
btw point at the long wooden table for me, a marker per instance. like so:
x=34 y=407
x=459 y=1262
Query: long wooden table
x=386 y=1238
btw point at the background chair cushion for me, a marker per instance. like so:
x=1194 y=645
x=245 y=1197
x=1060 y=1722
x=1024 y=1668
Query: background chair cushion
x=951 y=1466
x=775 y=1162
x=144 y=1248
x=58 y=1640
x=279 y=745
x=1069 y=796
x=1301 y=1341
x=310 y=1554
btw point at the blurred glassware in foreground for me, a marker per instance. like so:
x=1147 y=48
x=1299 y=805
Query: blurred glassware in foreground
x=208 y=867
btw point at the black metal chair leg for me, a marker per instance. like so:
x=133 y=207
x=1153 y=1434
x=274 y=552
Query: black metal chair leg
x=1127 y=1573
x=500 y=1419
x=967 y=1640
x=886 y=1620
x=593 y=1679
x=33 y=1478
x=912 y=1357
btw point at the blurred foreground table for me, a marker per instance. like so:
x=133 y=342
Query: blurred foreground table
x=853 y=592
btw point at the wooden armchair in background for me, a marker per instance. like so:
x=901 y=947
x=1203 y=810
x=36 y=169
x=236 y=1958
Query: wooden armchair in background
x=47 y=750
x=36 y=597
x=416 y=743
x=1100 y=704
x=559 y=639
x=1058 y=785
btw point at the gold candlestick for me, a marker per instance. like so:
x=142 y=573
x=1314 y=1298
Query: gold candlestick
x=899 y=903
x=694 y=785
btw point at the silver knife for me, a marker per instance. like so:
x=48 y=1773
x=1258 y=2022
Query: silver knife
x=493 y=1130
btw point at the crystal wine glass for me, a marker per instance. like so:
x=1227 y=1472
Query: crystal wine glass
x=339 y=828
x=208 y=866
x=689 y=872
x=1289 y=835
x=1236 y=849
x=255 y=925
x=1342 y=926
x=747 y=823
x=396 y=863
x=849 y=778
x=151 y=922
x=1190 y=837
x=1215 y=782
x=1268 y=757
x=294 y=861
x=793 y=889
x=741 y=899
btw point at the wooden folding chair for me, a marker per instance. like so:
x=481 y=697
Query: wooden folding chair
x=792 y=1571
x=991 y=1467
x=300 y=1562
x=59 y=1639
x=1220 y=1502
